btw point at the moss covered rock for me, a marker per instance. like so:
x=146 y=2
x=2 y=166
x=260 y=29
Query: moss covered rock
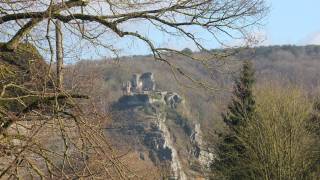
x=21 y=71
x=22 y=66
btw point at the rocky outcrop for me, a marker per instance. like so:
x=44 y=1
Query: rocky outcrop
x=204 y=156
x=176 y=165
x=151 y=123
x=148 y=122
x=172 y=99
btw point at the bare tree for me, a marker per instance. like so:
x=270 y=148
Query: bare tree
x=32 y=113
x=101 y=23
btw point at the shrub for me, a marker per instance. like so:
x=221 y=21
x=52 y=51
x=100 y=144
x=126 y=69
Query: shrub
x=278 y=144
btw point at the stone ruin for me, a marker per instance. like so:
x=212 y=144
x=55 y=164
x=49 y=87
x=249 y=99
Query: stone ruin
x=140 y=83
x=142 y=90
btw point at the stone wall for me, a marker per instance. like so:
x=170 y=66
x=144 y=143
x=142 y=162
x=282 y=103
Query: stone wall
x=140 y=83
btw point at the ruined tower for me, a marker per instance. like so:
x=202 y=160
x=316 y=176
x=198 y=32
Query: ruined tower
x=142 y=83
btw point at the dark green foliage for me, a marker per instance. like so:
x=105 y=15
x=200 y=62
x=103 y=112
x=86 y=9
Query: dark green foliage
x=243 y=103
x=230 y=150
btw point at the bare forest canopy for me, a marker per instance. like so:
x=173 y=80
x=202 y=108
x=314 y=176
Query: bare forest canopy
x=90 y=26
x=287 y=65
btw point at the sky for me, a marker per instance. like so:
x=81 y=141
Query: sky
x=293 y=22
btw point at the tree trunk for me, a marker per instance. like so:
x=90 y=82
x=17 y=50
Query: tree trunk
x=59 y=55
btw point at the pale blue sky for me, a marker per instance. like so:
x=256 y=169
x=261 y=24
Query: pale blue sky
x=288 y=22
x=293 y=22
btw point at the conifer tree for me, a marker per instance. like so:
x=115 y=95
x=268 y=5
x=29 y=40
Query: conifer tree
x=230 y=150
x=242 y=105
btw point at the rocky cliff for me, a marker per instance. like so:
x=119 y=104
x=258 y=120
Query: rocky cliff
x=152 y=125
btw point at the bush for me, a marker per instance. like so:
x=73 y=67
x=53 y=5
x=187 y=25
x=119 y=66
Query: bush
x=277 y=142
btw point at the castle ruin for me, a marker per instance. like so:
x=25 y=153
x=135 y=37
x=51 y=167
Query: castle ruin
x=140 y=84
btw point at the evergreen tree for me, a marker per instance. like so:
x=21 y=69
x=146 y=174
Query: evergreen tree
x=242 y=105
x=230 y=151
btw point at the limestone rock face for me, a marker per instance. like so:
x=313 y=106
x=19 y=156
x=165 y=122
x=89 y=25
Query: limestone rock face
x=145 y=122
x=154 y=125
x=204 y=156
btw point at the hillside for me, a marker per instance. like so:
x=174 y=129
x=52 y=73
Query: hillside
x=297 y=65
x=132 y=126
x=162 y=125
x=171 y=90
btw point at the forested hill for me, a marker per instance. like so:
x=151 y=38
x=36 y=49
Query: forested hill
x=287 y=51
x=298 y=65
